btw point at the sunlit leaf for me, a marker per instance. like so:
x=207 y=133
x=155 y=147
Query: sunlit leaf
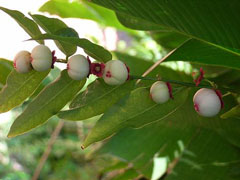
x=134 y=110
x=95 y=100
x=48 y=103
x=93 y=50
x=83 y=10
x=6 y=67
x=234 y=112
x=18 y=88
x=57 y=27
x=27 y=24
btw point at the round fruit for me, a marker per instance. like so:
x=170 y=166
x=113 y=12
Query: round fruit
x=115 y=72
x=41 y=58
x=22 y=62
x=207 y=102
x=78 y=67
x=160 y=92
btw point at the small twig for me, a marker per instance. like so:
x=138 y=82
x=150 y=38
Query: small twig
x=61 y=60
x=226 y=94
x=156 y=64
x=47 y=150
x=188 y=84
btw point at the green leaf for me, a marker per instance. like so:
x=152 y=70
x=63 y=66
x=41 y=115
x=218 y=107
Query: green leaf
x=83 y=10
x=209 y=157
x=200 y=52
x=201 y=150
x=6 y=67
x=95 y=100
x=134 y=110
x=93 y=50
x=57 y=27
x=209 y=33
x=52 y=76
x=169 y=39
x=234 y=112
x=209 y=21
x=146 y=142
x=169 y=137
x=27 y=24
x=48 y=103
x=18 y=88
x=137 y=23
x=127 y=174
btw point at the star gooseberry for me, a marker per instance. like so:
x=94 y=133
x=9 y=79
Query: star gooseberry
x=207 y=102
x=78 y=67
x=115 y=72
x=22 y=62
x=41 y=58
x=160 y=92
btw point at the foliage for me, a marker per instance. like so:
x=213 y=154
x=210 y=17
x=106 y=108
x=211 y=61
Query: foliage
x=139 y=132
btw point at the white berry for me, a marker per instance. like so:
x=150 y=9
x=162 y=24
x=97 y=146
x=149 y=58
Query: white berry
x=159 y=92
x=78 y=67
x=41 y=58
x=115 y=72
x=206 y=102
x=22 y=62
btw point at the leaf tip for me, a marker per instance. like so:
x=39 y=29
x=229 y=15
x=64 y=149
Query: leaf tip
x=10 y=135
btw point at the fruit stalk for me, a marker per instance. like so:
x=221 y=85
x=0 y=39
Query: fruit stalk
x=188 y=84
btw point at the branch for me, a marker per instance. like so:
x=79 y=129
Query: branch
x=156 y=64
x=48 y=149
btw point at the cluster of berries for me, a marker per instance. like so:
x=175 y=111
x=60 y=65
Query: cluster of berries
x=114 y=72
x=41 y=58
x=207 y=102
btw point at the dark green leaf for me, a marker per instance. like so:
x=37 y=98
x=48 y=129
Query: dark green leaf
x=169 y=39
x=169 y=137
x=18 y=88
x=210 y=45
x=201 y=150
x=93 y=50
x=95 y=100
x=200 y=52
x=162 y=137
x=27 y=24
x=127 y=174
x=207 y=156
x=48 y=103
x=57 y=27
x=137 y=23
x=134 y=110
x=210 y=21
